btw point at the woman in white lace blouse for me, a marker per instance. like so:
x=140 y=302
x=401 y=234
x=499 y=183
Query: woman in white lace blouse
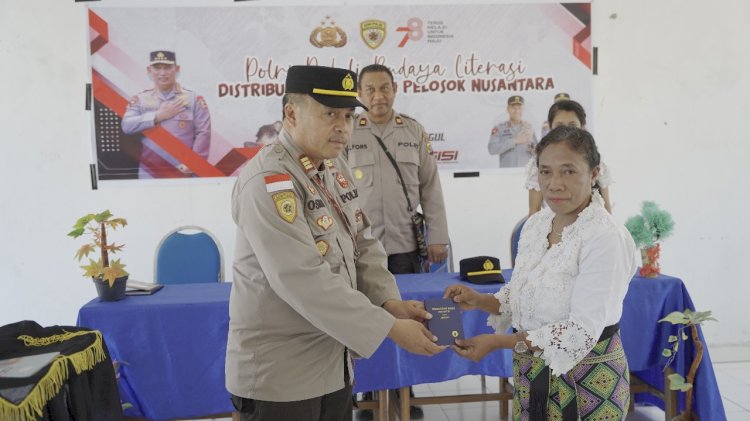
x=565 y=297
x=564 y=113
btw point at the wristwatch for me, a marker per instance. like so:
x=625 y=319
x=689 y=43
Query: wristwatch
x=521 y=347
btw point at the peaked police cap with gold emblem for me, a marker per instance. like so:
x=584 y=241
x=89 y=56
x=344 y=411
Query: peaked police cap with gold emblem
x=515 y=99
x=481 y=270
x=162 y=57
x=562 y=96
x=330 y=86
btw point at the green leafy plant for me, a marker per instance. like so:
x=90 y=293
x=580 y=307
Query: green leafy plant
x=651 y=226
x=96 y=226
x=687 y=319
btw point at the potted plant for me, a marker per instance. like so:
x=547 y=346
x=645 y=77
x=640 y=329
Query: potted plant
x=687 y=319
x=109 y=276
x=647 y=229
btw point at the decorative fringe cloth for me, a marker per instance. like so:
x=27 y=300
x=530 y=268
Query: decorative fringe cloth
x=51 y=383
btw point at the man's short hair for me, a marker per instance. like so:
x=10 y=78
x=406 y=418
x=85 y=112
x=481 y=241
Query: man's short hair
x=374 y=68
x=567 y=105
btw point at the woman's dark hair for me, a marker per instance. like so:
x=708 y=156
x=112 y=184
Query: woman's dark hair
x=576 y=139
x=567 y=105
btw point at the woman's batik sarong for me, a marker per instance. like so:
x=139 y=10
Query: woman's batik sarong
x=597 y=389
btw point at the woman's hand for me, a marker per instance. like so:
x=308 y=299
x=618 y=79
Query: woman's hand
x=463 y=295
x=475 y=348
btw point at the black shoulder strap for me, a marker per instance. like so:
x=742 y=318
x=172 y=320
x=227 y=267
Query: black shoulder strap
x=398 y=172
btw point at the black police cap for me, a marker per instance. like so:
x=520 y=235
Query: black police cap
x=162 y=57
x=515 y=99
x=481 y=270
x=330 y=86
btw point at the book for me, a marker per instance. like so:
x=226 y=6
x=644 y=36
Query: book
x=141 y=288
x=446 y=322
x=25 y=366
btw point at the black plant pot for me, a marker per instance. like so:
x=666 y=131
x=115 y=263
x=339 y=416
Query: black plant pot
x=113 y=293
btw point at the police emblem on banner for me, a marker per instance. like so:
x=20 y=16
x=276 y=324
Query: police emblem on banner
x=286 y=205
x=328 y=35
x=373 y=32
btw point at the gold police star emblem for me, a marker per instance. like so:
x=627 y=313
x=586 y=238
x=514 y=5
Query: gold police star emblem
x=347 y=83
x=286 y=205
x=328 y=35
x=161 y=56
x=487 y=265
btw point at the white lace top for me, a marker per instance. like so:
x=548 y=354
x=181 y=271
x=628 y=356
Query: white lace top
x=566 y=295
x=532 y=175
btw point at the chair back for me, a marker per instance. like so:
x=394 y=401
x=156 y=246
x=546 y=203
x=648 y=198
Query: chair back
x=515 y=236
x=188 y=254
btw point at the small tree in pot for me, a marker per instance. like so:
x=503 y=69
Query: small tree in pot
x=109 y=276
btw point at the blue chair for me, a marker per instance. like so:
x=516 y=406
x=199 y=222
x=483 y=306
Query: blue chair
x=515 y=236
x=188 y=254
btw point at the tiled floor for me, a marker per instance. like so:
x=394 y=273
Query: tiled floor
x=733 y=378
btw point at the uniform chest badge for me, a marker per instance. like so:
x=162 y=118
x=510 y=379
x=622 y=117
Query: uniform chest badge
x=358 y=215
x=311 y=189
x=342 y=181
x=325 y=222
x=322 y=247
x=358 y=174
x=286 y=205
x=329 y=164
x=181 y=125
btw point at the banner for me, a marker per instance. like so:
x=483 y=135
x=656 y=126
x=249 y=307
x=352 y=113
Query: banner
x=457 y=68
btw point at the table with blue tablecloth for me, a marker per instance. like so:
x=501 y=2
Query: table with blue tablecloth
x=173 y=346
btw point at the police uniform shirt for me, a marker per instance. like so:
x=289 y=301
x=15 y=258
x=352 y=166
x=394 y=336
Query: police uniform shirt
x=301 y=294
x=380 y=188
x=502 y=144
x=192 y=127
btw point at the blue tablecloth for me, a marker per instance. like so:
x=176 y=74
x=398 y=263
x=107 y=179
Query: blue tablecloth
x=173 y=346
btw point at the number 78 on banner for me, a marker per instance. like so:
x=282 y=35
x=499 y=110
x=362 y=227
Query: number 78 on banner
x=413 y=31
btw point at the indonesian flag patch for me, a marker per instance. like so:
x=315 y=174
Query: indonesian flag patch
x=278 y=182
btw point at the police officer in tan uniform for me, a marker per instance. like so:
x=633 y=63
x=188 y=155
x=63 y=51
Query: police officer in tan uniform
x=380 y=187
x=513 y=140
x=180 y=111
x=382 y=195
x=311 y=289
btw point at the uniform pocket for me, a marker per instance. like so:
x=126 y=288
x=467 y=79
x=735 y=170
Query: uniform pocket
x=363 y=167
x=408 y=163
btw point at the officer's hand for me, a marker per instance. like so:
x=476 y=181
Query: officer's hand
x=437 y=253
x=475 y=348
x=522 y=138
x=169 y=109
x=410 y=309
x=414 y=337
x=466 y=297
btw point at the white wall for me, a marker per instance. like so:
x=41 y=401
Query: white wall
x=671 y=98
